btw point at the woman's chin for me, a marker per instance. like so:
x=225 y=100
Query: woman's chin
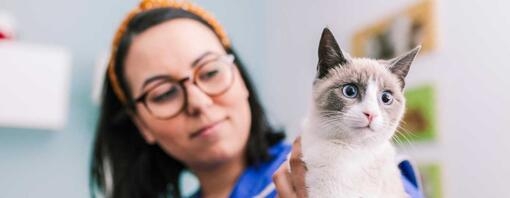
x=217 y=155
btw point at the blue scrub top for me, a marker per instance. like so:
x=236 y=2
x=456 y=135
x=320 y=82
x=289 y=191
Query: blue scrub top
x=256 y=181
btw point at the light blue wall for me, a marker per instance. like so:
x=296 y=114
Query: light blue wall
x=38 y=163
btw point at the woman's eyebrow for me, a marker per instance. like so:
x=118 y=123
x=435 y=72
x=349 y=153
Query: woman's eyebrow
x=154 y=78
x=196 y=61
x=162 y=77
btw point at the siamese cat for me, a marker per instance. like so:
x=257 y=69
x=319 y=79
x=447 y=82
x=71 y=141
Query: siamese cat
x=356 y=108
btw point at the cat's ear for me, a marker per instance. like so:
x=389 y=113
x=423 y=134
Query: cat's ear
x=330 y=54
x=401 y=64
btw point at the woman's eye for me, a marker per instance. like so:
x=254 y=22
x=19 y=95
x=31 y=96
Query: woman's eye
x=386 y=97
x=170 y=94
x=350 y=91
x=209 y=74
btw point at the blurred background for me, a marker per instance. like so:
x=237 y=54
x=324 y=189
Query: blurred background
x=52 y=56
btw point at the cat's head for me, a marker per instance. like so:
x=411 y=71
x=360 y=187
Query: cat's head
x=358 y=100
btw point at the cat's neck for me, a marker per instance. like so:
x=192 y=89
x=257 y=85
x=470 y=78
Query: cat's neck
x=346 y=148
x=327 y=153
x=358 y=148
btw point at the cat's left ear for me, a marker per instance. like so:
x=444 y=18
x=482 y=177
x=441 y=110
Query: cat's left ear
x=400 y=65
x=330 y=54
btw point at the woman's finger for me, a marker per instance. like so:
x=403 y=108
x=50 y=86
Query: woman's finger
x=283 y=183
x=298 y=169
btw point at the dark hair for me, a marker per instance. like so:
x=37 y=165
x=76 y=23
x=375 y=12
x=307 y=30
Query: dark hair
x=123 y=164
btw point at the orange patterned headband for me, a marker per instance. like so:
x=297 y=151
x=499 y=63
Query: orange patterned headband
x=154 y=4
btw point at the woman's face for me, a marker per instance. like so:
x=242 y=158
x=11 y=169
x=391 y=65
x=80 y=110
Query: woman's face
x=210 y=129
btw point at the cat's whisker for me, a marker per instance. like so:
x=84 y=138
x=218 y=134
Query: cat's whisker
x=407 y=132
x=400 y=135
x=401 y=138
x=352 y=117
x=408 y=145
x=395 y=139
x=332 y=114
x=404 y=134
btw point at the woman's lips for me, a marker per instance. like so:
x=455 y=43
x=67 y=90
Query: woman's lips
x=206 y=129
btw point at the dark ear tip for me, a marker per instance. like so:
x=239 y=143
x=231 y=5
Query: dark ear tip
x=326 y=31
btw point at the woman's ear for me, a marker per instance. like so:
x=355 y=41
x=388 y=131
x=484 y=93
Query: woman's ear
x=142 y=128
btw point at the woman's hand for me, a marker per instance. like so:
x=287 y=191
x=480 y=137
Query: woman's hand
x=291 y=184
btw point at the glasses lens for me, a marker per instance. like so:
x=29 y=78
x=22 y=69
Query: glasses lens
x=165 y=100
x=215 y=77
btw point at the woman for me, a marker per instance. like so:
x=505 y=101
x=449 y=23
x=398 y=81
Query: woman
x=177 y=98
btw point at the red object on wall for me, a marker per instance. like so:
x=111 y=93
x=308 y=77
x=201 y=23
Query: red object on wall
x=3 y=36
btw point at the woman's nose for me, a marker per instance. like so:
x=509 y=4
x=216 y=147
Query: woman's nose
x=198 y=101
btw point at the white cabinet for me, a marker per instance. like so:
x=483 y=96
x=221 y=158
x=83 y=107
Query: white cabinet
x=34 y=85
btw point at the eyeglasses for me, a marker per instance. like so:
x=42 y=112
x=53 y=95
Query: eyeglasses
x=168 y=98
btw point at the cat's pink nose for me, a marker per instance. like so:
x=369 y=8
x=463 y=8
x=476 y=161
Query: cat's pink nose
x=370 y=116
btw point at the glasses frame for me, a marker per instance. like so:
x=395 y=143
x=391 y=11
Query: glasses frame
x=227 y=58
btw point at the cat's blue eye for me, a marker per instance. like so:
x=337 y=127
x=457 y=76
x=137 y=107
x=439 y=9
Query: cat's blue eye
x=387 y=97
x=350 y=91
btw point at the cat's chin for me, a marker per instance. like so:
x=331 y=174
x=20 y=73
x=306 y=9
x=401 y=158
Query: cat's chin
x=368 y=134
x=364 y=129
x=369 y=129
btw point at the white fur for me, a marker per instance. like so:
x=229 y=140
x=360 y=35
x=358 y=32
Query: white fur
x=344 y=168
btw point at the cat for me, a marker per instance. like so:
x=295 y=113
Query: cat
x=357 y=105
